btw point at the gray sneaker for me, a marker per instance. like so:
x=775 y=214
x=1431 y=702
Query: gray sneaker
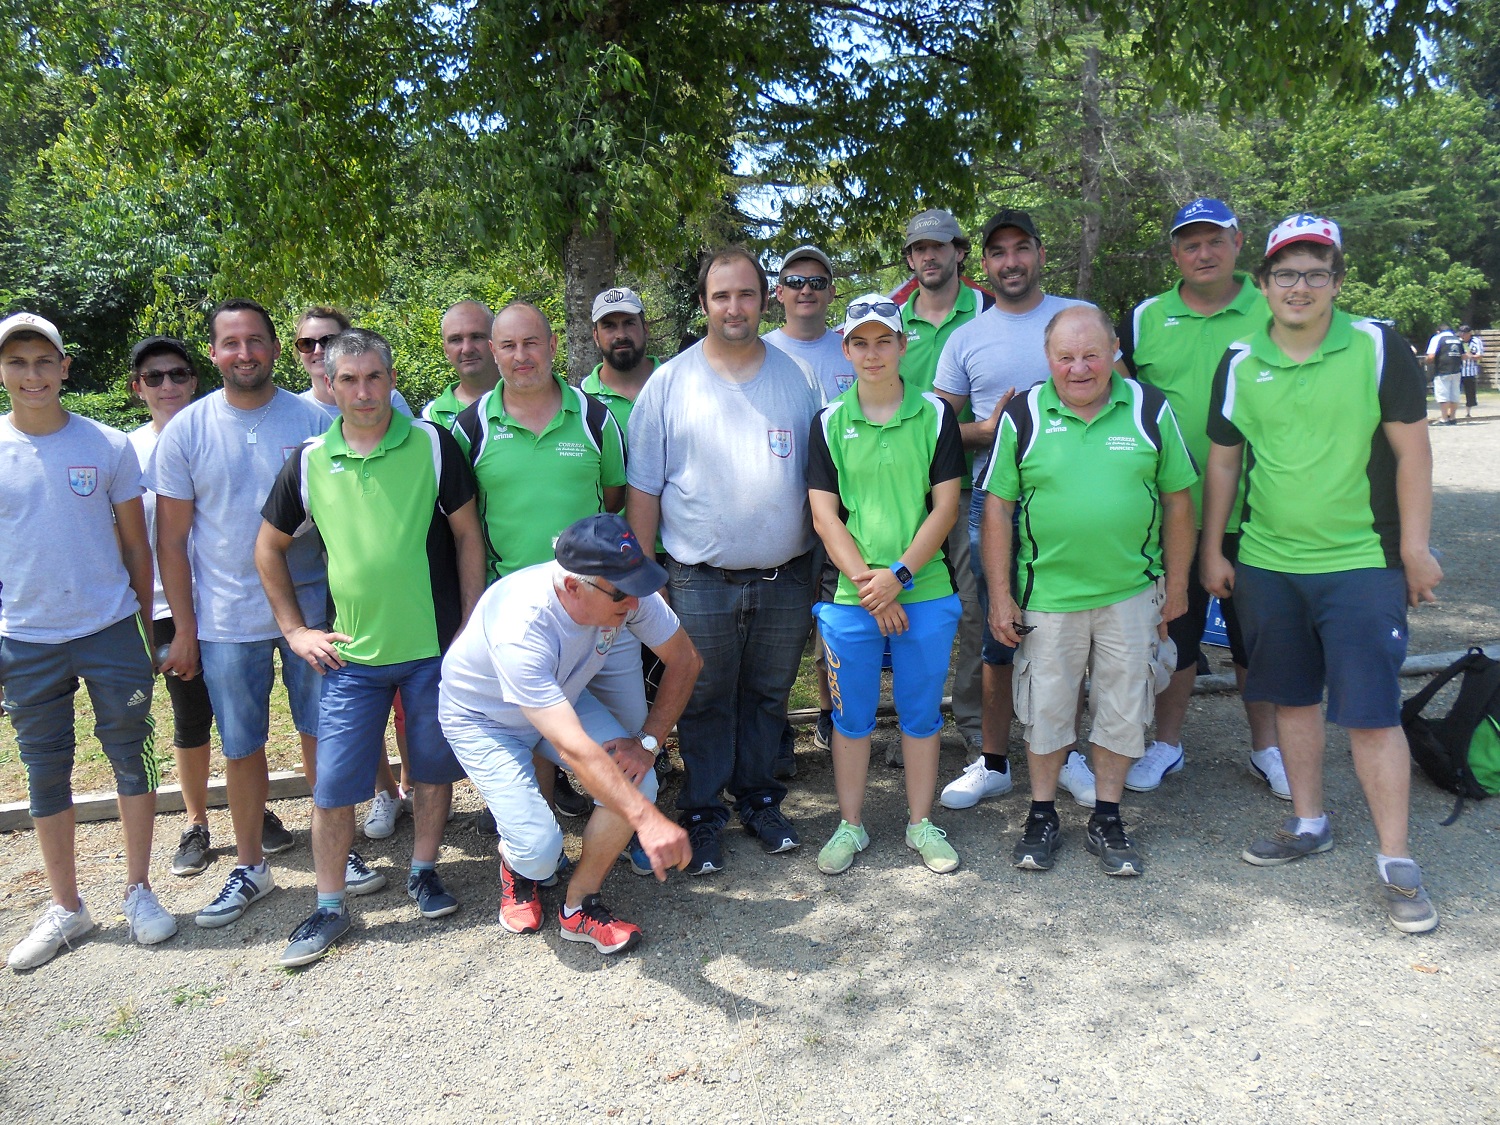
x=1286 y=844
x=315 y=937
x=1406 y=901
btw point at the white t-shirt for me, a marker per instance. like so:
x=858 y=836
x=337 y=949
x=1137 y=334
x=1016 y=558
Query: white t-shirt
x=521 y=649
x=205 y=455
x=825 y=356
x=61 y=574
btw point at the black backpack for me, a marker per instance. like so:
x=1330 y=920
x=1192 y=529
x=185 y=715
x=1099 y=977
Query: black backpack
x=1450 y=355
x=1461 y=751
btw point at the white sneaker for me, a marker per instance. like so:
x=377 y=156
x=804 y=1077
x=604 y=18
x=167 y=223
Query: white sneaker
x=1078 y=779
x=148 y=921
x=360 y=878
x=1268 y=764
x=1160 y=759
x=385 y=810
x=244 y=886
x=976 y=783
x=56 y=928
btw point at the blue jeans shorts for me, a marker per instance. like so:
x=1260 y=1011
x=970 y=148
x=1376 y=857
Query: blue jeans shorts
x=40 y=681
x=1346 y=630
x=853 y=648
x=352 y=718
x=239 y=675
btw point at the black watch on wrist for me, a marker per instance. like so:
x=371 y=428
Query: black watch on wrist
x=903 y=574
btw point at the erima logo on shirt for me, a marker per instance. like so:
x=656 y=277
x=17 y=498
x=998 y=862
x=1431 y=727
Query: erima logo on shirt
x=850 y=434
x=912 y=336
x=1264 y=377
x=338 y=467
x=504 y=434
x=1056 y=428
x=1170 y=322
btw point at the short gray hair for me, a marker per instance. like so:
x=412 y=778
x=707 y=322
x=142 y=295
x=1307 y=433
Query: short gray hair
x=352 y=342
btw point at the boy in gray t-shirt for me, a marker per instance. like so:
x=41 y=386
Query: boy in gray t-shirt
x=75 y=570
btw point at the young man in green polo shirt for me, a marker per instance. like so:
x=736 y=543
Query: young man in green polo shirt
x=1174 y=341
x=1325 y=418
x=620 y=335
x=1101 y=474
x=393 y=501
x=466 y=344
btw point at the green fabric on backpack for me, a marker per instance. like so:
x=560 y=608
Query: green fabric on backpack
x=1484 y=755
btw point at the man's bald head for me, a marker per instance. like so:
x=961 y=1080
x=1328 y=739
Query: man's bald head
x=1081 y=319
x=466 y=343
x=519 y=316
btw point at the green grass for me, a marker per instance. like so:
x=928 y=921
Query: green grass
x=193 y=995
x=124 y=1023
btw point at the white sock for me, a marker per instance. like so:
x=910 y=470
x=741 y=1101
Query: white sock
x=1382 y=860
x=1312 y=827
x=260 y=868
x=1259 y=756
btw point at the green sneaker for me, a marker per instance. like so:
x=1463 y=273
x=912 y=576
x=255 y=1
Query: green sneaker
x=932 y=842
x=838 y=854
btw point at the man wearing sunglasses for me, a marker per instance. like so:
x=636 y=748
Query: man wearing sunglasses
x=995 y=355
x=316 y=328
x=1325 y=417
x=805 y=289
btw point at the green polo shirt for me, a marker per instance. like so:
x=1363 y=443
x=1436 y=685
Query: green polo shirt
x=445 y=407
x=392 y=566
x=883 y=475
x=532 y=486
x=1089 y=496
x=1173 y=348
x=619 y=405
x=925 y=342
x=1320 y=476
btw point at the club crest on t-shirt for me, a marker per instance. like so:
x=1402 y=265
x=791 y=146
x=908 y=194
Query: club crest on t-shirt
x=606 y=639
x=781 y=442
x=83 y=479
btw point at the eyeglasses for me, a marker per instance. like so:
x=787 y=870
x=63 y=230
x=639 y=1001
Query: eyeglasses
x=307 y=345
x=612 y=595
x=1315 y=279
x=797 y=281
x=865 y=308
x=178 y=375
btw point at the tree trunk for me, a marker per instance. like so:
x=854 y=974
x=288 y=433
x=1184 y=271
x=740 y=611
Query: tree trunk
x=588 y=269
x=1091 y=150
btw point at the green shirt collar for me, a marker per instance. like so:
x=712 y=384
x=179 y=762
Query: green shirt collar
x=594 y=385
x=1244 y=301
x=497 y=409
x=911 y=404
x=395 y=434
x=966 y=304
x=1052 y=403
x=1340 y=334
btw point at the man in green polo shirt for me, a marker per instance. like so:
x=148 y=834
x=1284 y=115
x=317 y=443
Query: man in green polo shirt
x=1325 y=419
x=466 y=343
x=1100 y=472
x=935 y=250
x=544 y=454
x=1174 y=341
x=620 y=335
x=393 y=501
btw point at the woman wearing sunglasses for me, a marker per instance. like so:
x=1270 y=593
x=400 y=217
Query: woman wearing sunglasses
x=315 y=328
x=884 y=466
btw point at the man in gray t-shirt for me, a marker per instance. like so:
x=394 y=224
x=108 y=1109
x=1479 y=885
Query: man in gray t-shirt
x=984 y=362
x=718 y=462
x=805 y=289
x=212 y=470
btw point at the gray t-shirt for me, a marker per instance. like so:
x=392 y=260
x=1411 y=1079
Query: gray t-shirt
x=997 y=352
x=205 y=455
x=143 y=438
x=521 y=649
x=333 y=411
x=729 y=460
x=825 y=356
x=61 y=574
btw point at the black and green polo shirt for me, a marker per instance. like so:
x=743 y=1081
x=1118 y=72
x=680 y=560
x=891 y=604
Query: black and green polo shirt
x=444 y=408
x=1088 y=493
x=1319 y=475
x=883 y=475
x=383 y=518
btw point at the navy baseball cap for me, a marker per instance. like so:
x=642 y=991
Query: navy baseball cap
x=605 y=547
x=1214 y=211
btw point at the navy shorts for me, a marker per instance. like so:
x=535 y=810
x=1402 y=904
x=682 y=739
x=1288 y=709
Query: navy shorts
x=1346 y=630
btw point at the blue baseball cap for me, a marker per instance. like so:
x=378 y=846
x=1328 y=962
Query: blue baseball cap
x=605 y=547
x=1214 y=211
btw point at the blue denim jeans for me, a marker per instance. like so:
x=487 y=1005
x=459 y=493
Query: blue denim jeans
x=751 y=635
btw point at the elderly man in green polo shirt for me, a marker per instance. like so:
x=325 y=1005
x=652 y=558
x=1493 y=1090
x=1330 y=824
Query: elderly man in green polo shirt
x=1101 y=474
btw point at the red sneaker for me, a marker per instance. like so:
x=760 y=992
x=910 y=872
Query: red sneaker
x=520 y=905
x=596 y=925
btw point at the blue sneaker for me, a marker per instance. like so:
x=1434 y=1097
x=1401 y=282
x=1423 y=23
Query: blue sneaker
x=561 y=875
x=640 y=862
x=427 y=891
x=315 y=937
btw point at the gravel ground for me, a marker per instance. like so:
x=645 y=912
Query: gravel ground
x=1206 y=991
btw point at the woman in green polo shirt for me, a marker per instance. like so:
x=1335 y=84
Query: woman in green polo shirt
x=884 y=466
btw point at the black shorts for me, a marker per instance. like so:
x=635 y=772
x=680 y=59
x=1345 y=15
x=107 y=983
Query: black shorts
x=192 y=713
x=1187 y=631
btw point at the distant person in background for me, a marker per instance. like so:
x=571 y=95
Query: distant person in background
x=315 y=328
x=162 y=376
x=1473 y=349
x=466 y=344
x=1445 y=352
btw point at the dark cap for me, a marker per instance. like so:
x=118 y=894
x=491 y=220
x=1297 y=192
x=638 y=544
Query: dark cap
x=933 y=226
x=1009 y=218
x=605 y=547
x=152 y=345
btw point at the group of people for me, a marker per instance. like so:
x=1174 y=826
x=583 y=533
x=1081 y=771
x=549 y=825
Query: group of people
x=546 y=581
x=1453 y=358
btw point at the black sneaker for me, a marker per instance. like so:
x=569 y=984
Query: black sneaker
x=1116 y=851
x=784 y=768
x=1037 y=848
x=823 y=732
x=485 y=824
x=569 y=801
x=274 y=838
x=704 y=830
x=193 y=851
x=427 y=891
x=767 y=824
x=315 y=937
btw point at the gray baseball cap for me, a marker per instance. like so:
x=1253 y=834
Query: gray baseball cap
x=618 y=299
x=807 y=251
x=933 y=226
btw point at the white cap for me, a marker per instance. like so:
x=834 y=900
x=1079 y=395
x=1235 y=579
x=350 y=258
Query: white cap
x=1304 y=228
x=30 y=322
x=873 y=306
x=618 y=299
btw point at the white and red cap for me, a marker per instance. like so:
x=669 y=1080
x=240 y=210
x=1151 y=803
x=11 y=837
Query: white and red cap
x=1304 y=228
